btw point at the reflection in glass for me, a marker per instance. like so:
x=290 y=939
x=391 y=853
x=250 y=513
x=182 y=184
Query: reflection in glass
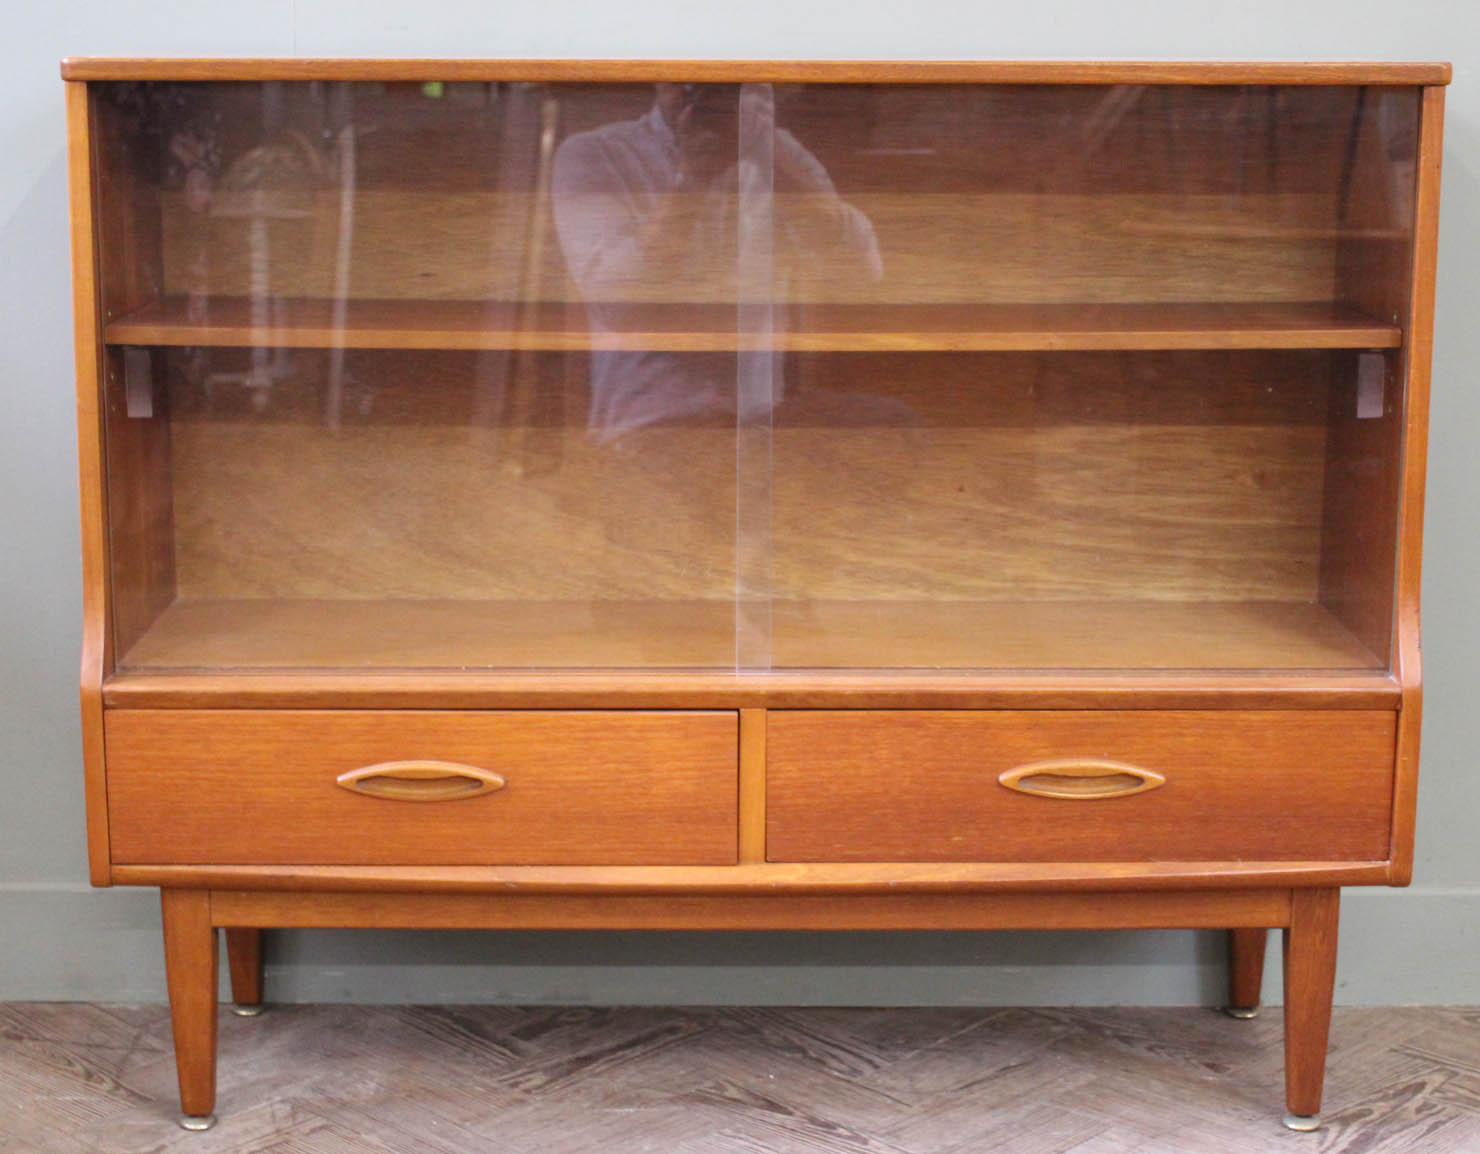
x=671 y=207
x=749 y=376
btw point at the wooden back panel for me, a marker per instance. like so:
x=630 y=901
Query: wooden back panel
x=974 y=193
x=901 y=476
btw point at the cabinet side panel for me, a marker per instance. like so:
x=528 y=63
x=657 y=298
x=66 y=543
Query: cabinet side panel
x=1415 y=460
x=127 y=157
x=95 y=655
x=1365 y=447
x=141 y=534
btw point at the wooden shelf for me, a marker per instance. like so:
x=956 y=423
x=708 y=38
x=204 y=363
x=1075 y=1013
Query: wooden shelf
x=1105 y=635
x=257 y=635
x=559 y=326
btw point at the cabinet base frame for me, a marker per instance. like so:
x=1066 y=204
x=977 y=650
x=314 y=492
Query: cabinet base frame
x=1180 y=909
x=192 y=917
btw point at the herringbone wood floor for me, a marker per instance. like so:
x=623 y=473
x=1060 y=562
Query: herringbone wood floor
x=516 y=1080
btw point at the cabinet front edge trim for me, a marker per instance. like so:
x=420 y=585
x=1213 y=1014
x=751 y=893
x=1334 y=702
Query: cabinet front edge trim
x=765 y=878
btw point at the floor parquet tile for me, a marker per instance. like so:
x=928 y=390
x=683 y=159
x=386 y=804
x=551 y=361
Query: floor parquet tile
x=573 y=1080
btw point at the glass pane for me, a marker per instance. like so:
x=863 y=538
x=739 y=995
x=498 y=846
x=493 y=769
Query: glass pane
x=1088 y=377
x=697 y=376
x=432 y=375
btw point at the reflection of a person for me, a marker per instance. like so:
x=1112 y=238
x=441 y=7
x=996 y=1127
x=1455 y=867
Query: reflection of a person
x=624 y=233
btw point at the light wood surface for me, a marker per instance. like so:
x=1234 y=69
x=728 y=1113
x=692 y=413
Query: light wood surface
x=244 y=960
x=968 y=247
x=1080 y=778
x=137 y=418
x=1415 y=460
x=369 y=634
x=858 y=689
x=972 y=512
x=141 y=518
x=582 y=787
x=402 y=512
x=1115 y=511
x=266 y=634
x=752 y=785
x=190 y=961
x=423 y=324
x=97 y=657
x=782 y=878
x=1365 y=448
x=756 y=71
x=941 y=911
x=769 y=877
x=1246 y=949
x=1310 y=979
x=1051 y=634
x=923 y=786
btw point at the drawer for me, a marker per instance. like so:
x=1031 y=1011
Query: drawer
x=926 y=785
x=262 y=787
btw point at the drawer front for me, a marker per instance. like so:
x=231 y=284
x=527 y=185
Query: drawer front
x=257 y=787
x=926 y=786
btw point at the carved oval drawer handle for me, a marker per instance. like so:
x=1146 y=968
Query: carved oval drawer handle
x=1081 y=779
x=420 y=781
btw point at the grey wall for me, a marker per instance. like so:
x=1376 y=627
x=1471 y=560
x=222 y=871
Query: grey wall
x=59 y=939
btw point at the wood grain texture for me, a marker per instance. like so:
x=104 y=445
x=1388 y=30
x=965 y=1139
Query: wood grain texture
x=190 y=960
x=141 y=516
x=940 y=911
x=758 y=71
x=1415 y=460
x=1054 y=634
x=1246 y=949
x=1310 y=978
x=861 y=689
x=97 y=656
x=1073 y=512
x=425 y=513
x=244 y=961
x=1365 y=450
x=922 y=786
x=769 y=877
x=959 y=248
x=1040 y=498
x=266 y=634
x=752 y=785
x=272 y=633
x=421 y=324
x=139 y=491
x=582 y=788
x=967 y=514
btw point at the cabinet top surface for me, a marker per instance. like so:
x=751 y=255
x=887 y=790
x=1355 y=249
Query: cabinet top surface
x=817 y=71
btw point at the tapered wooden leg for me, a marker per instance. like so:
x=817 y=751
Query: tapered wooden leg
x=244 y=960
x=1245 y=971
x=1310 y=978
x=190 y=962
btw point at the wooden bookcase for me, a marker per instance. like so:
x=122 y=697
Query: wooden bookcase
x=697 y=495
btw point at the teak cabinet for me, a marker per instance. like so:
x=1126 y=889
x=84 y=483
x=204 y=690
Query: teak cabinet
x=752 y=495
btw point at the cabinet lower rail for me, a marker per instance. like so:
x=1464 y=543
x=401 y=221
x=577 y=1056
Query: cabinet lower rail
x=1150 y=909
x=764 y=879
